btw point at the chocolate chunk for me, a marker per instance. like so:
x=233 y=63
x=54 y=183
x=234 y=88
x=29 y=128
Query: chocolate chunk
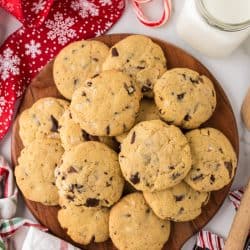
x=54 y=121
x=187 y=117
x=106 y=201
x=114 y=52
x=162 y=226
x=161 y=98
x=84 y=135
x=172 y=167
x=127 y=60
x=145 y=89
x=130 y=89
x=213 y=93
x=78 y=186
x=94 y=76
x=53 y=183
x=197 y=177
x=108 y=184
x=70 y=198
x=179 y=197
x=135 y=178
x=175 y=175
x=92 y=202
x=212 y=178
x=127 y=215
x=220 y=149
x=194 y=80
x=105 y=173
x=70 y=115
x=111 y=178
x=229 y=166
x=148 y=210
x=107 y=130
x=133 y=138
x=181 y=96
x=71 y=170
x=181 y=210
x=93 y=138
x=184 y=76
x=95 y=59
x=140 y=67
x=92 y=239
x=89 y=84
x=76 y=81
x=83 y=93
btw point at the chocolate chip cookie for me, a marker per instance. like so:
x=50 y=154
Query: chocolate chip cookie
x=178 y=203
x=154 y=156
x=77 y=62
x=185 y=98
x=133 y=225
x=107 y=104
x=214 y=160
x=35 y=171
x=139 y=57
x=85 y=225
x=41 y=120
x=90 y=175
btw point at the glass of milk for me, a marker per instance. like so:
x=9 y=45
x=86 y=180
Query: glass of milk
x=214 y=27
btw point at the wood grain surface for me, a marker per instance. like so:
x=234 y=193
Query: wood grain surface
x=222 y=119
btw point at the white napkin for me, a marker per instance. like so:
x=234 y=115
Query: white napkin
x=39 y=240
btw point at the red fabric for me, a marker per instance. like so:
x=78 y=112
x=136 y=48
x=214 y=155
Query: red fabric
x=47 y=27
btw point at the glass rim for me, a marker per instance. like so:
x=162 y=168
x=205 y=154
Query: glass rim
x=211 y=20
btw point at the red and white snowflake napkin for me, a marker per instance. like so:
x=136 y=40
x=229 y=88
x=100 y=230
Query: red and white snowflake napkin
x=48 y=25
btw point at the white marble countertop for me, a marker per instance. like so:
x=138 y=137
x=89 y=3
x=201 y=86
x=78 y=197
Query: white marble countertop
x=232 y=72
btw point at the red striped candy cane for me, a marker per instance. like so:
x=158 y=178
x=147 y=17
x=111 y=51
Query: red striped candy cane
x=143 y=19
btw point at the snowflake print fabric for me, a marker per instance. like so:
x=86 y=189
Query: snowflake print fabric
x=48 y=26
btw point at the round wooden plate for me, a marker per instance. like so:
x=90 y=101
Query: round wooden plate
x=222 y=119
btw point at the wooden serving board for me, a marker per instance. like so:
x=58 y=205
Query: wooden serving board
x=222 y=119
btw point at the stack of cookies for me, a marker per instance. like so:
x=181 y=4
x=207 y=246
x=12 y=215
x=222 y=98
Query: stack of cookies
x=113 y=153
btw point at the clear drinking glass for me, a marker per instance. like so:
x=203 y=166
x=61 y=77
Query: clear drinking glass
x=214 y=35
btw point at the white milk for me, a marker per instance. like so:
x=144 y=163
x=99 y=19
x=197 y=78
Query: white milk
x=209 y=40
x=229 y=11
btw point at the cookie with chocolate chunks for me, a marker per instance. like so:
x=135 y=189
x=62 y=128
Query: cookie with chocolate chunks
x=178 y=203
x=77 y=62
x=139 y=57
x=84 y=225
x=214 y=160
x=90 y=175
x=35 y=170
x=107 y=104
x=42 y=120
x=185 y=98
x=154 y=156
x=133 y=225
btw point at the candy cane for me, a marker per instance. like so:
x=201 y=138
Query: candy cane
x=143 y=19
